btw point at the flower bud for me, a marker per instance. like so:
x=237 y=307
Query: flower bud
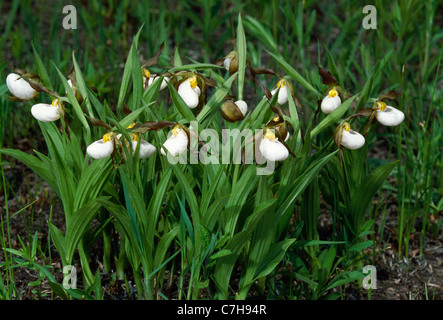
x=233 y=112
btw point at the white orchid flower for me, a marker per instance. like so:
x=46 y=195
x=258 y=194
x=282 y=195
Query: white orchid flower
x=177 y=143
x=330 y=102
x=387 y=115
x=146 y=149
x=351 y=139
x=47 y=112
x=150 y=78
x=190 y=92
x=271 y=148
x=283 y=93
x=20 y=88
x=102 y=148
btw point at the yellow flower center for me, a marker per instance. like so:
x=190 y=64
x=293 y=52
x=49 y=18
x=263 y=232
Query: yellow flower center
x=131 y=125
x=332 y=93
x=381 y=105
x=281 y=83
x=193 y=81
x=134 y=136
x=176 y=130
x=55 y=103
x=146 y=72
x=269 y=135
x=346 y=126
x=108 y=136
x=276 y=119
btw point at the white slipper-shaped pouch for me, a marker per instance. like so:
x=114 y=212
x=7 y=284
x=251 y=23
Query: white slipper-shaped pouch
x=20 y=88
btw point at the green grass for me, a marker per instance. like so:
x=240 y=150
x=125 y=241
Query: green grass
x=292 y=38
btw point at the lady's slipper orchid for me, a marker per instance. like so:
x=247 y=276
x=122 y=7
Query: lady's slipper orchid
x=330 y=102
x=149 y=79
x=282 y=93
x=351 y=139
x=387 y=115
x=234 y=111
x=146 y=149
x=271 y=148
x=20 y=88
x=47 y=112
x=102 y=148
x=190 y=92
x=177 y=143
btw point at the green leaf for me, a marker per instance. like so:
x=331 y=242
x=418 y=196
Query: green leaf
x=35 y=164
x=81 y=86
x=344 y=278
x=195 y=67
x=156 y=202
x=130 y=118
x=43 y=74
x=241 y=52
x=73 y=100
x=127 y=73
x=300 y=184
x=333 y=67
x=364 y=94
x=362 y=195
x=59 y=241
x=216 y=99
x=220 y=254
x=181 y=106
x=274 y=256
x=238 y=197
x=79 y=224
x=225 y=265
x=290 y=71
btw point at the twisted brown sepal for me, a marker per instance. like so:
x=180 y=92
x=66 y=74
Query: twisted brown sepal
x=34 y=84
x=154 y=60
x=98 y=123
x=152 y=126
x=390 y=95
x=327 y=77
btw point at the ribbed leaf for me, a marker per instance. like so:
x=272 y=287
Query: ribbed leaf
x=290 y=71
x=78 y=225
x=241 y=52
x=361 y=196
